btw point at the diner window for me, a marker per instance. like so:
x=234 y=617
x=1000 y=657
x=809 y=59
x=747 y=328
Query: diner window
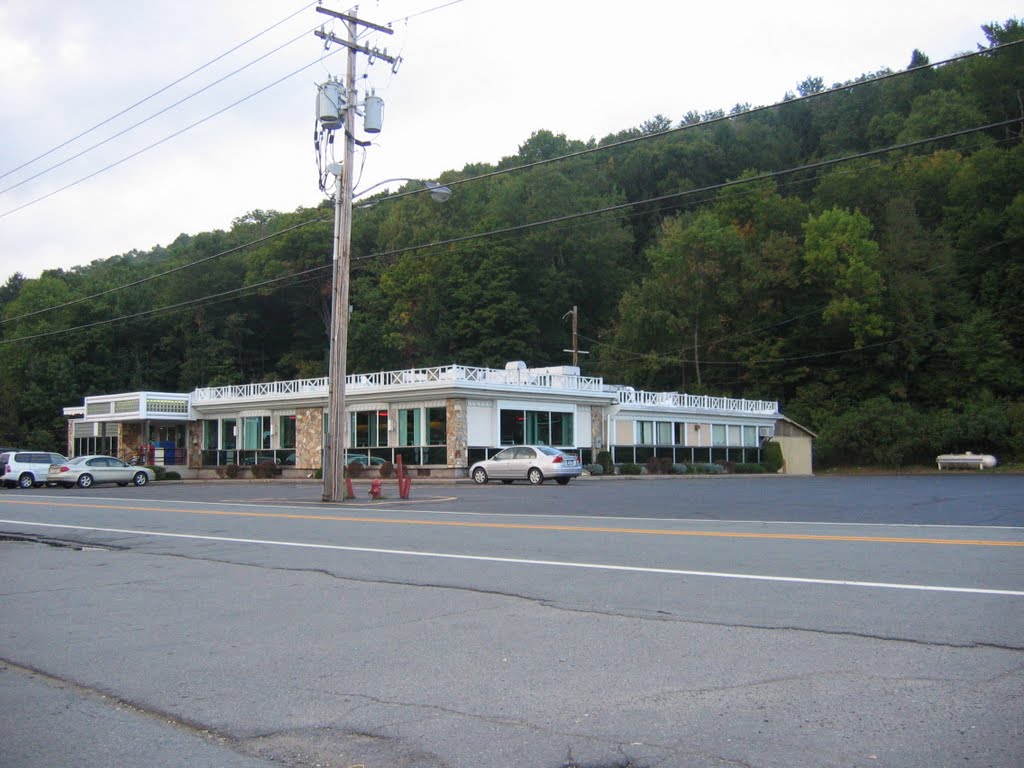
x=369 y=429
x=255 y=432
x=410 y=427
x=536 y=428
x=750 y=437
x=437 y=426
x=228 y=434
x=717 y=435
x=664 y=429
x=645 y=433
x=286 y=431
x=210 y=429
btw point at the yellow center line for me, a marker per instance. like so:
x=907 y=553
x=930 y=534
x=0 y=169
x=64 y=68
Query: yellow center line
x=537 y=526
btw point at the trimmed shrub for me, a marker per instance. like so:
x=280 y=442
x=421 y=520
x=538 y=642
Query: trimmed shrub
x=631 y=469
x=595 y=469
x=354 y=470
x=172 y=475
x=772 y=457
x=677 y=469
x=604 y=458
x=265 y=470
x=161 y=472
x=749 y=469
x=231 y=471
x=707 y=469
x=658 y=465
x=387 y=469
x=318 y=473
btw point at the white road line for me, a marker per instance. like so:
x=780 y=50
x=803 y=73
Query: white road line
x=524 y=561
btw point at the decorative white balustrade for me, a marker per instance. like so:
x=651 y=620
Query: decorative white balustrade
x=484 y=377
x=697 y=402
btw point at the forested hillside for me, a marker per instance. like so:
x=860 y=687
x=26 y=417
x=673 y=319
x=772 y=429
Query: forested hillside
x=854 y=252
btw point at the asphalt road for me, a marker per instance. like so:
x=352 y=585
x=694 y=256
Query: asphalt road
x=841 y=621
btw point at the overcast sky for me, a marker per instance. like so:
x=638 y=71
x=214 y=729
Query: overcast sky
x=477 y=78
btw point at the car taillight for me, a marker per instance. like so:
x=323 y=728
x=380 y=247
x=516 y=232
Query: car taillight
x=556 y=460
x=65 y=469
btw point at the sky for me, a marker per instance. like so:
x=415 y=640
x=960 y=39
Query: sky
x=88 y=172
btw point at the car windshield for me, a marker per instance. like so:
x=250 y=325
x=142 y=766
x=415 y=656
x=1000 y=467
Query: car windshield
x=76 y=460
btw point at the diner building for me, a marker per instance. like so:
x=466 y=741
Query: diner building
x=439 y=420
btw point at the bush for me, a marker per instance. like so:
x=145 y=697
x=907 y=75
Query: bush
x=159 y=471
x=595 y=469
x=231 y=471
x=265 y=470
x=658 y=465
x=749 y=469
x=354 y=470
x=677 y=469
x=171 y=475
x=772 y=457
x=387 y=469
x=707 y=469
x=604 y=458
x=631 y=469
x=318 y=473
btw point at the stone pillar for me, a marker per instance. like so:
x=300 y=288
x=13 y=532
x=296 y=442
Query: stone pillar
x=194 y=444
x=457 y=437
x=598 y=438
x=309 y=438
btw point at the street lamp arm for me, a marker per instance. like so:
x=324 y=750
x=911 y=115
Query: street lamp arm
x=438 y=192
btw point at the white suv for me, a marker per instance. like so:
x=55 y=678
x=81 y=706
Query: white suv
x=25 y=469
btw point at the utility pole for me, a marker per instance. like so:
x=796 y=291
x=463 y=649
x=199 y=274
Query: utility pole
x=337 y=423
x=576 y=352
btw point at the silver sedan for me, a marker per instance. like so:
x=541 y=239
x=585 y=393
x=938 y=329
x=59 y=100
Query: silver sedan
x=535 y=463
x=85 y=471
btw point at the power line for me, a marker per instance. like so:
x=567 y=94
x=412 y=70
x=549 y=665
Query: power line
x=143 y=280
x=164 y=139
x=714 y=121
x=154 y=94
x=676 y=195
x=157 y=114
x=497 y=232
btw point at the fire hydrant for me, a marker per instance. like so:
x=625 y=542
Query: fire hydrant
x=375 y=491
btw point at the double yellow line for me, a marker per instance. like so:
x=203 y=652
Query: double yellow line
x=537 y=526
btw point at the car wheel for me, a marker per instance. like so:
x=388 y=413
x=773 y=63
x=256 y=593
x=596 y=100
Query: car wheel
x=141 y=478
x=26 y=481
x=562 y=480
x=84 y=481
x=535 y=476
x=480 y=476
x=67 y=485
x=506 y=482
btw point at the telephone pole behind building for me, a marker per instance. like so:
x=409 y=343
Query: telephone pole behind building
x=576 y=351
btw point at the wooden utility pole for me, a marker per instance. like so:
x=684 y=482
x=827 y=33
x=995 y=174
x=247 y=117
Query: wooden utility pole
x=337 y=423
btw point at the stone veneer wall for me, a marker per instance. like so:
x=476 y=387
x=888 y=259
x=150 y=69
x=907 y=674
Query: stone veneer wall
x=598 y=439
x=195 y=444
x=309 y=437
x=129 y=439
x=457 y=433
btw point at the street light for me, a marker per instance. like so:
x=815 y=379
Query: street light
x=337 y=423
x=438 y=192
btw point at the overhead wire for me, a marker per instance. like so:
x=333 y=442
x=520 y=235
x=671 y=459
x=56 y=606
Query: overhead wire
x=157 y=114
x=490 y=233
x=156 y=93
x=572 y=217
